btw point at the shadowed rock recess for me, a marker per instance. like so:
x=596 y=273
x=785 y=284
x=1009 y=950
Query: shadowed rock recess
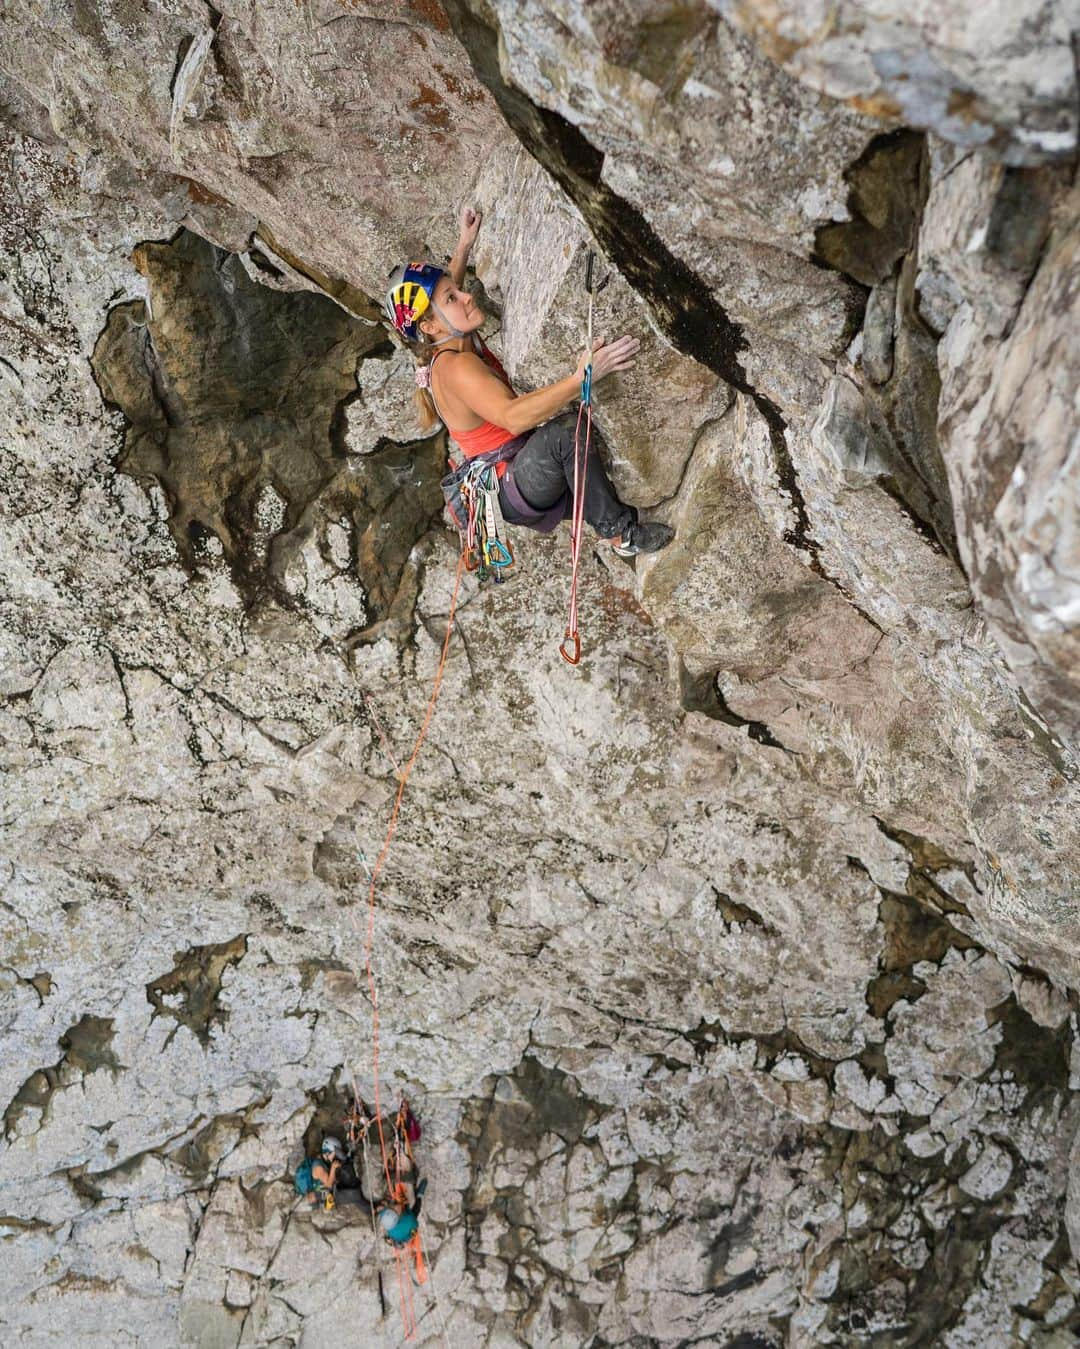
x=237 y=398
x=735 y=974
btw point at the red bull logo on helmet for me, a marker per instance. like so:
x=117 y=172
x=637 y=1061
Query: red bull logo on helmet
x=409 y=299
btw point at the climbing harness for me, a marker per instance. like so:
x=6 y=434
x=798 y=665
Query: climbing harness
x=570 y=648
x=471 y=493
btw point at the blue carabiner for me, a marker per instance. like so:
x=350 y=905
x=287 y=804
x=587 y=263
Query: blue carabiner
x=586 y=385
x=498 y=555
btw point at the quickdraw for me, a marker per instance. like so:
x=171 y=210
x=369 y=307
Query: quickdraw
x=486 y=551
x=360 y=1120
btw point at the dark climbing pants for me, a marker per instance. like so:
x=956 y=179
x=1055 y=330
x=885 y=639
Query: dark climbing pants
x=544 y=471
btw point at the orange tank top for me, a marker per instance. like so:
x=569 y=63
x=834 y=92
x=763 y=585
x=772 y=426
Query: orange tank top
x=487 y=436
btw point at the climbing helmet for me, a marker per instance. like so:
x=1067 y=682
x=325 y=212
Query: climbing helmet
x=409 y=293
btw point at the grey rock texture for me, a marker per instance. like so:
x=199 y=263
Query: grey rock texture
x=1000 y=78
x=734 y=973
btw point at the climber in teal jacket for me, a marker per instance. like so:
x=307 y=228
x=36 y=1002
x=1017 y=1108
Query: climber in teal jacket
x=399 y=1220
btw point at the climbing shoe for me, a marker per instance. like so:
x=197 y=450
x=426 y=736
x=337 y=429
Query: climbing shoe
x=644 y=536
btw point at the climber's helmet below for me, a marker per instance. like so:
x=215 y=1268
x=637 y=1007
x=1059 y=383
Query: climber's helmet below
x=409 y=295
x=331 y=1147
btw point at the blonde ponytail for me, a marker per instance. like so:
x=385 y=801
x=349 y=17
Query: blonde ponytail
x=424 y=350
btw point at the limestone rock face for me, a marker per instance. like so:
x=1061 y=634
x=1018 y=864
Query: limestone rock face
x=734 y=972
x=314 y=114
x=1019 y=511
x=1000 y=78
x=244 y=428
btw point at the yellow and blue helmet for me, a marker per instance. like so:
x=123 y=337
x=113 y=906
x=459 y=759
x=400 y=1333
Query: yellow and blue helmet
x=409 y=295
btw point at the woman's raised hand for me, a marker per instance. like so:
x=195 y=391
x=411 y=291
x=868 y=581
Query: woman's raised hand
x=469 y=226
x=608 y=357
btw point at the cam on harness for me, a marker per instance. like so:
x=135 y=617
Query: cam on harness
x=471 y=490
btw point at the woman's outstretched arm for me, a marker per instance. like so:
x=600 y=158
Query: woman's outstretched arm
x=474 y=384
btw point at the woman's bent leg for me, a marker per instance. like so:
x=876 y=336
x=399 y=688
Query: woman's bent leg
x=544 y=469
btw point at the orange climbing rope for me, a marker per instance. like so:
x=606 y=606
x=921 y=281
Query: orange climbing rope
x=570 y=654
x=408 y=1310
x=380 y=861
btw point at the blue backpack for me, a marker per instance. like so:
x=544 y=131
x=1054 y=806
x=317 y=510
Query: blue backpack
x=304 y=1181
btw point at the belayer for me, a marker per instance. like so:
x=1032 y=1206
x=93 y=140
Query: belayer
x=328 y=1178
x=463 y=384
x=317 y=1177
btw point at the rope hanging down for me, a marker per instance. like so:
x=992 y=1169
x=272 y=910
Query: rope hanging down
x=570 y=649
x=495 y=560
x=380 y=861
x=408 y=1310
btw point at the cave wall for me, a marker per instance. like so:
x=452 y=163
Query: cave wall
x=734 y=972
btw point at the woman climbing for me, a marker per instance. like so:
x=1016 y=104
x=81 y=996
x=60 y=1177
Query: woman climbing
x=464 y=385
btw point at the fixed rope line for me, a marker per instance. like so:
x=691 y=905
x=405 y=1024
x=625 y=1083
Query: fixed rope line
x=384 y=851
x=374 y=1224
x=408 y=1306
x=577 y=530
x=382 y=735
x=570 y=650
x=366 y=1153
x=408 y=1310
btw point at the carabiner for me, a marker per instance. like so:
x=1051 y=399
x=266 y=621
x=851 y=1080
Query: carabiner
x=498 y=554
x=472 y=559
x=571 y=637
